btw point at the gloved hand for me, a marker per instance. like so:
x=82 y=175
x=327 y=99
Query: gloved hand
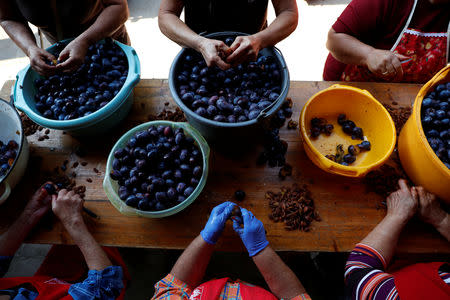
x=253 y=235
x=216 y=223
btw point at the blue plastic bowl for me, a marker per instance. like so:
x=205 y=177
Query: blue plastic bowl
x=97 y=122
x=221 y=132
x=111 y=187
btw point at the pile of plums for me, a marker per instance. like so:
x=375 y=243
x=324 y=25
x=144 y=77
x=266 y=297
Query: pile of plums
x=235 y=95
x=159 y=168
x=350 y=128
x=320 y=125
x=436 y=121
x=67 y=96
x=8 y=153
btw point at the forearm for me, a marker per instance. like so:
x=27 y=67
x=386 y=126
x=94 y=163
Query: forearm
x=11 y=240
x=279 y=29
x=96 y=258
x=281 y=280
x=347 y=49
x=20 y=33
x=191 y=266
x=176 y=30
x=385 y=236
x=108 y=22
x=444 y=227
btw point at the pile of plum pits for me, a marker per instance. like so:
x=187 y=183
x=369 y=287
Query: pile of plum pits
x=8 y=153
x=159 y=168
x=235 y=95
x=321 y=125
x=68 y=96
x=436 y=121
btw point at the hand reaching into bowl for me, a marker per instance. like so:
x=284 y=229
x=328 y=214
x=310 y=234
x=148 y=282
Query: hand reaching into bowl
x=215 y=52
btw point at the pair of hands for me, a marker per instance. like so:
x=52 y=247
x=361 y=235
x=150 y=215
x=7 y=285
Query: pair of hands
x=66 y=205
x=385 y=64
x=217 y=53
x=252 y=234
x=71 y=58
x=406 y=202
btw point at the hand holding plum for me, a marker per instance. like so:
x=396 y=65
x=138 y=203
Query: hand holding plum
x=38 y=61
x=253 y=234
x=73 y=55
x=39 y=204
x=214 y=52
x=385 y=64
x=245 y=48
x=216 y=223
x=68 y=206
x=429 y=209
x=403 y=203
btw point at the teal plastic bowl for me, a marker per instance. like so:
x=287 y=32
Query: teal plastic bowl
x=111 y=187
x=100 y=121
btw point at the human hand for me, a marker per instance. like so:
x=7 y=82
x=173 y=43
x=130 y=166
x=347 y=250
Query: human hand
x=68 y=206
x=430 y=210
x=39 y=205
x=216 y=223
x=403 y=203
x=214 y=52
x=253 y=234
x=245 y=48
x=385 y=64
x=72 y=56
x=38 y=61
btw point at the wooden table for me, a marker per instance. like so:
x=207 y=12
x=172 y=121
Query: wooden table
x=348 y=212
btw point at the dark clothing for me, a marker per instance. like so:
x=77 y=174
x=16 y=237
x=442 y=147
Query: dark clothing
x=65 y=19
x=378 y=23
x=248 y=16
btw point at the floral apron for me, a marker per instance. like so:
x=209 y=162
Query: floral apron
x=427 y=52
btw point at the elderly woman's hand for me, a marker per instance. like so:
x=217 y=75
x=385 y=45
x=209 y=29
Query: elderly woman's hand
x=214 y=52
x=68 y=208
x=245 y=48
x=430 y=210
x=385 y=64
x=403 y=203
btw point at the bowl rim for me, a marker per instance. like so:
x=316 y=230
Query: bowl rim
x=442 y=75
x=22 y=137
x=273 y=107
x=205 y=150
x=339 y=169
x=133 y=78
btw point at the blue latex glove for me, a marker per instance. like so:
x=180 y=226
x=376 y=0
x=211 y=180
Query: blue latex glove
x=216 y=223
x=253 y=235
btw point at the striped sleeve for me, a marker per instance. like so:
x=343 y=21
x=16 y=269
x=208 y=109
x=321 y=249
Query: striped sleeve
x=171 y=288
x=365 y=277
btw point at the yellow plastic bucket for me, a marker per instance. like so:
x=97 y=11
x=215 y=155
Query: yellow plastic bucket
x=362 y=108
x=418 y=159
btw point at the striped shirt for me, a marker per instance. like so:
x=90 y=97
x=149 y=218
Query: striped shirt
x=171 y=288
x=366 y=279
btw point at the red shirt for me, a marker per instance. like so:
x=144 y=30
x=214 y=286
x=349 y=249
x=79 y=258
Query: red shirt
x=378 y=23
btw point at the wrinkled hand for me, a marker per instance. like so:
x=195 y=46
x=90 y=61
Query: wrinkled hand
x=68 y=207
x=214 y=52
x=253 y=235
x=385 y=64
x=245 y=48
x=403 y=203
x=72 y=56
x=430 y=210
x=216 y=223
x=38 y=61
x=39 y=205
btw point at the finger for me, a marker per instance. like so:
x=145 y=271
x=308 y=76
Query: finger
x=414 y=194
x=401 y=57
x=403 y=185
x=398 y=68
x=62 y=193
x=237 y=55
x=390 y=70
x=228 y=209
x=237 y=227
x=48 y=55
x=236 y=44
x=69 y=65
x=246 y=216
x=221 y=64
x=422 y=193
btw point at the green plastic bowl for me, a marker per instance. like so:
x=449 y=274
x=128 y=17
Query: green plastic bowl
x=111 y=187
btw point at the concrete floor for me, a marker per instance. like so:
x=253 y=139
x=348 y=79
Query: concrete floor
x=305 y=54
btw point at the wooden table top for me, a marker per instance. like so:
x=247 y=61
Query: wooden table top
x=347 y=211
